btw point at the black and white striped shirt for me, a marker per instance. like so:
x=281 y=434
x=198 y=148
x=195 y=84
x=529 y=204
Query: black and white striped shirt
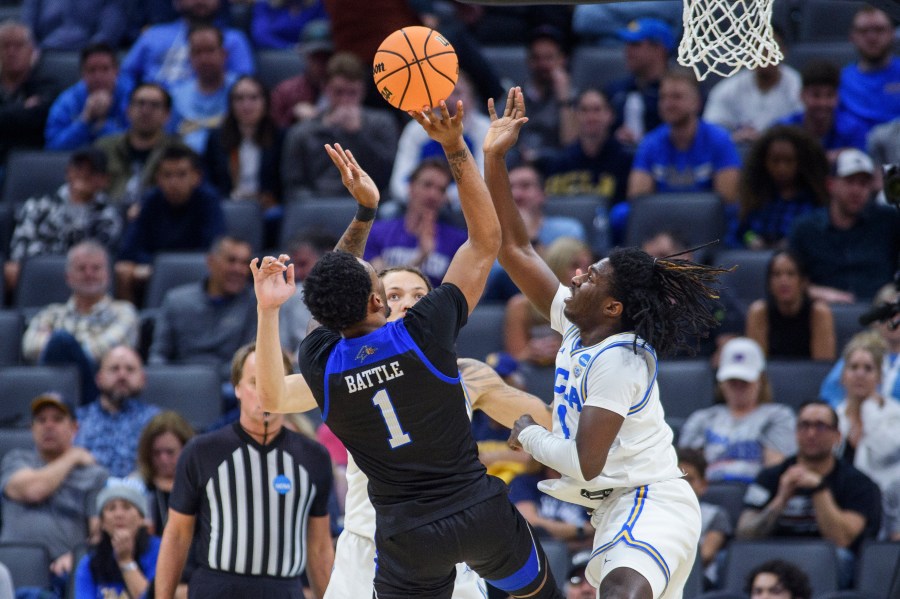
x=252 y=503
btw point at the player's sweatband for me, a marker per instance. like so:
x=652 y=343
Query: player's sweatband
x=364 y=214
x=556 y=452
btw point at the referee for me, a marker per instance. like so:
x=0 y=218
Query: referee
x=257 y=494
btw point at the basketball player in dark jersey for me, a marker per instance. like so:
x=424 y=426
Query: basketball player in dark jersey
x=435 y=505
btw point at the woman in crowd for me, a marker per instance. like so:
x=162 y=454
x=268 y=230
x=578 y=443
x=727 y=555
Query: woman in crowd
x=160 y=445
x=746 y=432
x=124 y=561
x=788 y=323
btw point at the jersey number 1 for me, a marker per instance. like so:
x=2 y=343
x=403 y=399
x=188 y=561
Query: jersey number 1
x=383 y=402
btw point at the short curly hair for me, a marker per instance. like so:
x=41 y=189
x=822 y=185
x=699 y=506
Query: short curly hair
x=336 y=290
x=789 y=575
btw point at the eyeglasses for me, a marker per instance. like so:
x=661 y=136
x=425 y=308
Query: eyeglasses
x=817 y=426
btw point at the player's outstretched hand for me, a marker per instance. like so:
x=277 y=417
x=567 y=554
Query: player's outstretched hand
x=520 y=425
x=442 y=128
x=272 y=287
x=504 y=130
x=355 y=179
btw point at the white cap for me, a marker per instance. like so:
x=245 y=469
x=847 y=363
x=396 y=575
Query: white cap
x=851 y=162
x=741 y=358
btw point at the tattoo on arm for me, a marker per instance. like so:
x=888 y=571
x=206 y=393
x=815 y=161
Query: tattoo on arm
x=456 y=160
x=354 y=238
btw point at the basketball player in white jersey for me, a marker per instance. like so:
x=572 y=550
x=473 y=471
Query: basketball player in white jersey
x=609 y=439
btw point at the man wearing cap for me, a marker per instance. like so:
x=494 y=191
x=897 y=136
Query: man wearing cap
x=297 y=99
x=635 y=99
x=50 y=492
x=850 y=247
x=577 y=585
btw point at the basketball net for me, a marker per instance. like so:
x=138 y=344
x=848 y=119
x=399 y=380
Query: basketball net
x=721 y=36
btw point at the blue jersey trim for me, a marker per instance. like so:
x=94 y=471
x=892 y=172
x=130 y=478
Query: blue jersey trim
x=404 y=335
x=643 y=402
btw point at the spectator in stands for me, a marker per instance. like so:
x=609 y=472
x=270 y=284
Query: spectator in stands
x=788 y=323
x=158 y=449
x=783 y=177
x=110 y=426
x=88 y=325
x=750 y=101
x=79 y=210
x=132 y=155
x=205 y=322
x=747 y=432
x=372 y=133
x=869 y=421
x=835 y=129
x=527 y=189
x=123 y=562
x=577 y=586
x=306 y=248
x=851 y=247
x=74 y=24
x=179 y=214
x=869 y=89
x=601 y=23
x=891 y=502
x=160 y=54
x=635 y=99
x=778 y=578
x=527 y=335
x=243 y=156
x=297 y=99
x=715 y=524
x=814 y=494
x=50 y=493
x=200 y=103
x=595 y=163
x=549 y=93
x=414 y=145
x=686 y=153
x=419 y=237
x=25 y=97
x=833 y=389
x=93 y=107
x=278 y=23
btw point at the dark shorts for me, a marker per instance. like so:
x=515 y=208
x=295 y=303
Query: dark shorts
x=207 y=583
x=491 y=537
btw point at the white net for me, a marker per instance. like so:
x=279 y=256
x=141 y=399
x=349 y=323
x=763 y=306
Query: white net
x=721 y=36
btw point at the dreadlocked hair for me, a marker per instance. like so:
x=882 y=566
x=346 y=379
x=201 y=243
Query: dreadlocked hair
x=666 y=301
x=336 y=290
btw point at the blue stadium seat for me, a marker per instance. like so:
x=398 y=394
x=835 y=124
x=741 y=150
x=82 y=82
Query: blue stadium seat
x=796 y=381
x=28 y=563
x=685 y=386
x=597 y=66
x=483 y=332
x=193 y=390
x=244 y=221
x=509 y=62
x=826 y=20
x=11 y=330
x=846 y=321
x=331 y=215
x=748 y=281
x=21 y=384
x=878 y=564
x=274 y=66
x=41 y=282
x=33 y=173
x=584 y=210
x=818 y=558
x=171 y=269
x=697 y=217
x=62 y=66
x=839 y=53
x=729 y=496
x=15 y=438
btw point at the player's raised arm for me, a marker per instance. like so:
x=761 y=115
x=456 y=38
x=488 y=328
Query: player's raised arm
x=364 y=191
x=517 y=256
x=472 y=262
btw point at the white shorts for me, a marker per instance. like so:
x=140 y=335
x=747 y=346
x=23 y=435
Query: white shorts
x=354 y=571
x=654 y=529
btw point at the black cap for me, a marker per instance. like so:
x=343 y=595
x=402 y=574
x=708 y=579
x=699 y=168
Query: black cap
x=52 y=399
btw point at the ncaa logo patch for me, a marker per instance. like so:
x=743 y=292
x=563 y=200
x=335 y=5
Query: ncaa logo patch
x=282 y=484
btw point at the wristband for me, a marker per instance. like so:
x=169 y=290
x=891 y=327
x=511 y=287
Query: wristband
x=365 y=214
x=129 y=566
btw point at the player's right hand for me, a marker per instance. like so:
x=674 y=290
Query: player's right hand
x=504 y=131
x=355 y=179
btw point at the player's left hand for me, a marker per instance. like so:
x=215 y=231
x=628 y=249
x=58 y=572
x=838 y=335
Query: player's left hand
x=520 y=425
x=439 y=125
x=273 y=280
x=355 y=179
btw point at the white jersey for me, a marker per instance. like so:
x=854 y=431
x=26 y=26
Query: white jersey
x=612 y=376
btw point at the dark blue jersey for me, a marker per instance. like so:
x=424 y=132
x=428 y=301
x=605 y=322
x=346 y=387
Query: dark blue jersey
x=394 y=398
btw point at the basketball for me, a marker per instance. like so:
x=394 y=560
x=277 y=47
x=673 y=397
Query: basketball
x=415 y=67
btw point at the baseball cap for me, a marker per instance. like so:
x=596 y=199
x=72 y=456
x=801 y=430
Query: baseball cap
x=131 y=490
x=52 y=399
x=316 y=37
x=654 y=30
x=742 y=358
x=851 y=162
x=579 y=563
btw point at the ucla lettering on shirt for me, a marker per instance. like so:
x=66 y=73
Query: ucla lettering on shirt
x=364 y=380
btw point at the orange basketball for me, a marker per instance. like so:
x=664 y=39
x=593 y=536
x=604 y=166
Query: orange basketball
x=415 y=67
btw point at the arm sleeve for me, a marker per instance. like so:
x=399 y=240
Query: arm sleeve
x=65 y=130
x=185 y=496
x=558 y=453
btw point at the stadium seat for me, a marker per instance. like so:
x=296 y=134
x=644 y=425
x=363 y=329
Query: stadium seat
x=331 y=215
x=509 y=62
x=15 y=438
x=698 y=217
x=685 y=386
x=597 y=66
x=28 y=563
x=729 y=496
x=7 y=226
x=839 y=53
x=748 y=280
x=846 y=321
x=796 y=381
x=539 y=380
x=483 y=332
x=61 y=66
x=818 y=558
x=274 y=66
x=193 y=390
x=11 y=330
x=33 y=173
x=41 y=282
x=826 y=20
x=171 y=269
x=244 y=221
x=21 y=384
x=584 y=210
x=879 y=562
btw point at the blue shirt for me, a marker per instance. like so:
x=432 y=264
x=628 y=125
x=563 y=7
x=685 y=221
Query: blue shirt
x=772 y=221
x=396 y=246
x=872 y=96
x=846 y=131
x=88 y=588
x=113 y=438
x=160 y=55
x=66 y=131
x=675 y=170
x=195 y=114
x=280 y=27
